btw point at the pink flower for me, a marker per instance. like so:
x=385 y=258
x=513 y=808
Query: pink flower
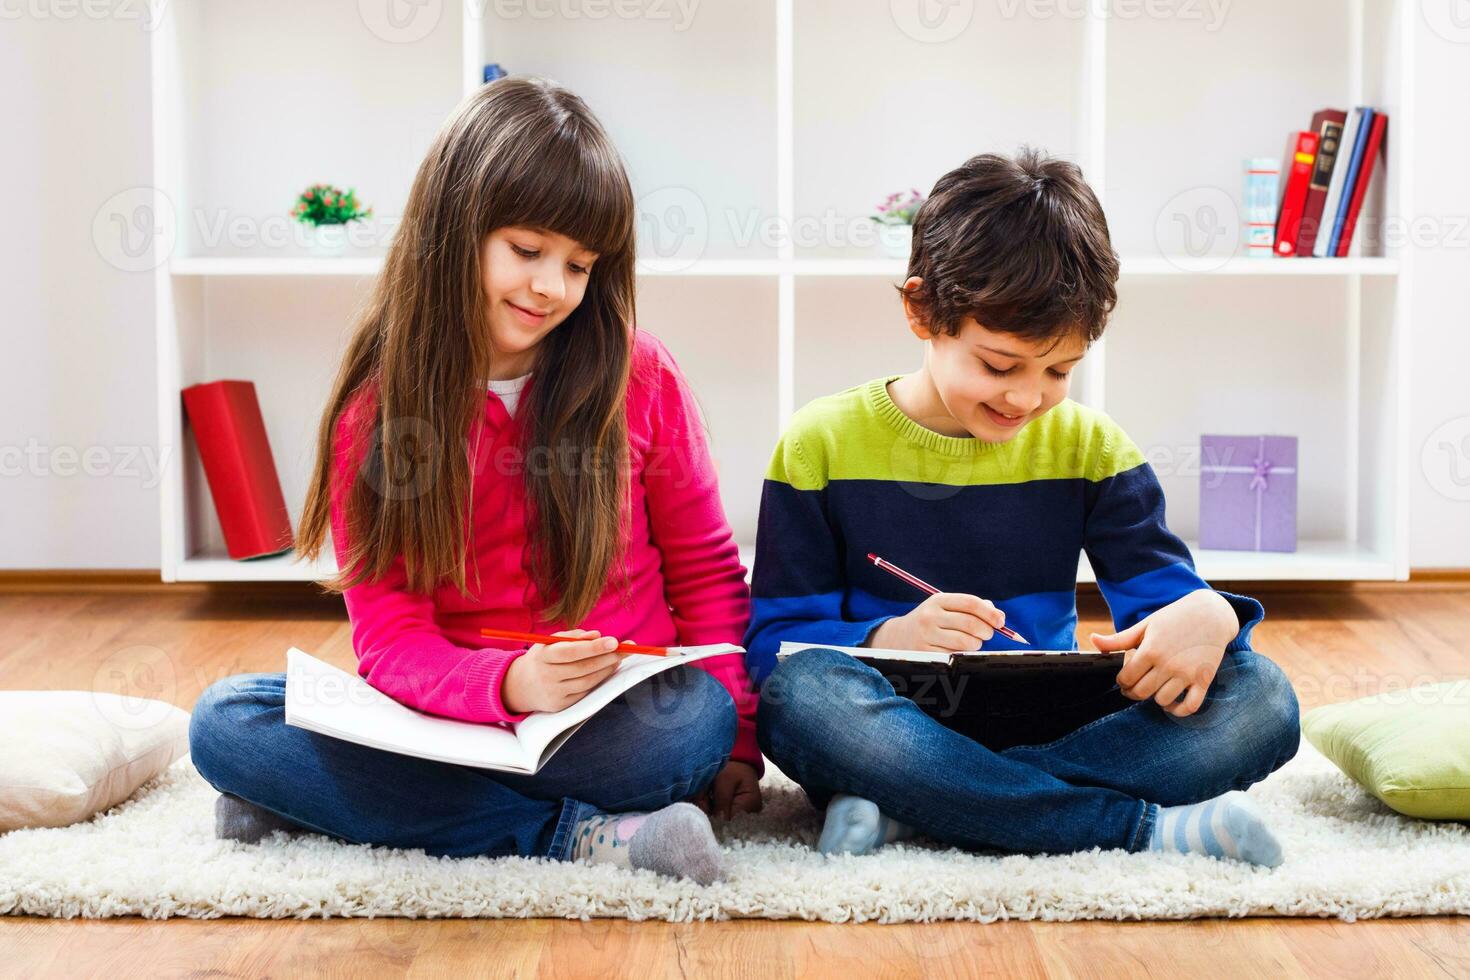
x=307 y=195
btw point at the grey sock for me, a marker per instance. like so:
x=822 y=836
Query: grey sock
x=241 y=820
x=677 y=840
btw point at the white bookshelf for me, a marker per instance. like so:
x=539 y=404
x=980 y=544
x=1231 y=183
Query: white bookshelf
x=764 y=116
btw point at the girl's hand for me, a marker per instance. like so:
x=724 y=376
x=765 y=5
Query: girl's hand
x=1175 y=651
x=553 y=676
x=736 y=788
x=947 y=622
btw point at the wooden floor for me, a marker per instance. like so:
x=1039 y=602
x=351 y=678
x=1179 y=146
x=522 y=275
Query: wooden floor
x=1335 y=644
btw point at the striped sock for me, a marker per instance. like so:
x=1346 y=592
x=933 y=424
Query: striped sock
x=856 y=826
x=1228 y=826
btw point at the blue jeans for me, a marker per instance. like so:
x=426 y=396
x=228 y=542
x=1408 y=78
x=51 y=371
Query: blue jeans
x=661 y=742
x=1016 y=764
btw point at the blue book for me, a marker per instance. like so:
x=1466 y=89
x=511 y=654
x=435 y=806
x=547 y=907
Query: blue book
x=1355 y=163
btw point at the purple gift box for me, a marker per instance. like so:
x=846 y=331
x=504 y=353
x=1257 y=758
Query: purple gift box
x=1247 y=493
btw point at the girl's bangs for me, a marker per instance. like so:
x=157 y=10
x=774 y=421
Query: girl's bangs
x=579 y=191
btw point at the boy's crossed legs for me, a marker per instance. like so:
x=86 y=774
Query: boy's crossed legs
x=1110 y=772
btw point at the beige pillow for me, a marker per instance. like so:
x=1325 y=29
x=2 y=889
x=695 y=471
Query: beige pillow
x=65 y=755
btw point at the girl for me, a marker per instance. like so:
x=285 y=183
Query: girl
x=576 y=490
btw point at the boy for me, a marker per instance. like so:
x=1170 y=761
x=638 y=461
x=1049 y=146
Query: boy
x=978 y=474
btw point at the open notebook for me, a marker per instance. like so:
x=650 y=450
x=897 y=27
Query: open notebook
x=980 y=660
x=329 y=701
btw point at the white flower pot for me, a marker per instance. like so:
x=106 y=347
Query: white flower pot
x=897 y=240
x=326 y=241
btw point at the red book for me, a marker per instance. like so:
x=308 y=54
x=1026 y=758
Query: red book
x=1327 y=124
x=230 y=433
x=1296 y=175
x=1360 y=188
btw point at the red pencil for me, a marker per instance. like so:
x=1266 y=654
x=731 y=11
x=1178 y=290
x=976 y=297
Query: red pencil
x=624 y=647
x=919 y=583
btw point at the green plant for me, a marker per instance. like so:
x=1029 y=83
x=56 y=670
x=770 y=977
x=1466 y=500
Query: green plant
x=323 y=204
x=895 y=209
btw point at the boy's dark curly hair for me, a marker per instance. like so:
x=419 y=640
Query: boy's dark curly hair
x=1020 y=244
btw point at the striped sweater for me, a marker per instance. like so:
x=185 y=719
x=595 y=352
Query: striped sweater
x=1003 y=521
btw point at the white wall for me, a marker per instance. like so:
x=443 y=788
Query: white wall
x=76 y=334
x=1439 y=481
x=78 y=435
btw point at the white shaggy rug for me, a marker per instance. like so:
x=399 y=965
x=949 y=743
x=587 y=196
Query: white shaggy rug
x=1347 y=855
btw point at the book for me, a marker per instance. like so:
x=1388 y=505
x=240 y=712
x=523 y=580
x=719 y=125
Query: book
x=1339 y=177
x=230 y=433
x=1261 y=192
x=1354 y=160
x=323 y=699
x=980 y=661
x=1360 y=186
x=1296 y=174
x=1327 y=124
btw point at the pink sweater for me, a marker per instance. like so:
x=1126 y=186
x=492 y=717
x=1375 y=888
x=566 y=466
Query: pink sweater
x=686 y=584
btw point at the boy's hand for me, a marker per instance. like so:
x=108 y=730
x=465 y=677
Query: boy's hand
x=736 y=789
x=948 y=622
x=553 y=676
x=1175 y=651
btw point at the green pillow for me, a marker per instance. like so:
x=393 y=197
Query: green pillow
x=1409 y=748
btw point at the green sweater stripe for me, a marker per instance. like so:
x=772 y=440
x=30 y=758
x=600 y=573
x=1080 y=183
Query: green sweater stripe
x=860 y=434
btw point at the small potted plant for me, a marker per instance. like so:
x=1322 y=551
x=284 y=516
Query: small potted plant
x=895 y=221
x=324 y=212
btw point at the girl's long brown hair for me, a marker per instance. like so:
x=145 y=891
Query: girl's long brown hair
x=520 y=151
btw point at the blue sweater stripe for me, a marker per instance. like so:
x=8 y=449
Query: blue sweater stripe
x=846 y=619
x=1011 y=540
